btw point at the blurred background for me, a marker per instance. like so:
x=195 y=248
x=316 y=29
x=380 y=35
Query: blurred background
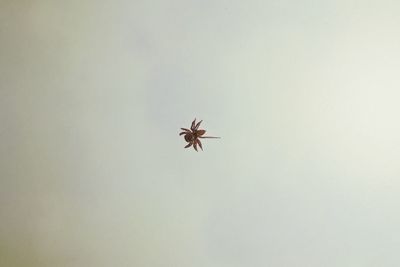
x=305 y=95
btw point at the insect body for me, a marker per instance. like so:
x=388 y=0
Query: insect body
x=193 y=135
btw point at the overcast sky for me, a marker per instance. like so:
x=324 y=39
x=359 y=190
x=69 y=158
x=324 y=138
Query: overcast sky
x=305 y=95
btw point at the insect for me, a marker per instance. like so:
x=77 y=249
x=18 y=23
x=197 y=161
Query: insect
x=193 y=135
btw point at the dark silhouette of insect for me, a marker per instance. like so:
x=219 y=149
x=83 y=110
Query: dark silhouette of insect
x=193 y=135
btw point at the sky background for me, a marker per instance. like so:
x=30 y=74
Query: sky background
x=305 y=95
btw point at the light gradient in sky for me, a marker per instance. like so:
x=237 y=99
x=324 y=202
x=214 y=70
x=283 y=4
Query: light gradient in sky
x=305 y=95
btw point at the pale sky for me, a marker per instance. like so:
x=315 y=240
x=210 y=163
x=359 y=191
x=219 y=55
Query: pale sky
x=305 y=95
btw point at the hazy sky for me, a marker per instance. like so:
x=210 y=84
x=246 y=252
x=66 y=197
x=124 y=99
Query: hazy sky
x=305 y=95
